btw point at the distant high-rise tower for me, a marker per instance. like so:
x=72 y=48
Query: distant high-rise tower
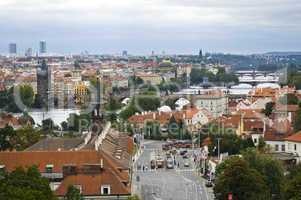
x=29 y=52
x=43 y=48
x=201 y=53
x=124 y=53
x=43 y=85
x=12 y=48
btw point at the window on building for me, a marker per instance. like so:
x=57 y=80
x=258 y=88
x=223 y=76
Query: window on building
x=49 y=168
x=283 y=147
x=276 y=147
x=295 y=147
x=105 y=190
x=255 y=140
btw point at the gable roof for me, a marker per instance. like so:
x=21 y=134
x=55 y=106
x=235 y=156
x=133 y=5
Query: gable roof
x=295 y=137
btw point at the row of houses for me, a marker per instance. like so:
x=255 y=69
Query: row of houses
x=98 y=165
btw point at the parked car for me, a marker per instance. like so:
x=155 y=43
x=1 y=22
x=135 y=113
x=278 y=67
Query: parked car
x=183 y=152
x=185 y=155
x=153 y=164
x=169 y=164
x=209 y=183
x=160 y=162
x=186 y=163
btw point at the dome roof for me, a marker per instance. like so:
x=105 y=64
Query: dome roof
x=164 y=109
x=242 y=86
x=268 y=85
x=182 y=102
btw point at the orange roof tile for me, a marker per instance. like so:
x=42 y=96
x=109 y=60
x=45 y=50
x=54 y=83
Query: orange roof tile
x=295 y=137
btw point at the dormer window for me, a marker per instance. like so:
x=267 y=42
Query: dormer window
x=49 y=168
x=105 y=190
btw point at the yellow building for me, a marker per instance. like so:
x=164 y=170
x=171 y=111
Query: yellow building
x=80 y=93
x=151 y=78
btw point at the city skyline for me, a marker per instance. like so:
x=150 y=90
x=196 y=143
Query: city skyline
x=140 y=27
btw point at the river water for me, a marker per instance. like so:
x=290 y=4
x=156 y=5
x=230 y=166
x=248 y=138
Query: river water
x=57 y=115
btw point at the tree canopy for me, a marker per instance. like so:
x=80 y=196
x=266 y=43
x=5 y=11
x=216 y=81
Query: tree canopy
x=73 y=194
x=7 y=98
x=289 y=99
x=240 y=180
x=26 y=185
x=266 y=169
x=198 y=76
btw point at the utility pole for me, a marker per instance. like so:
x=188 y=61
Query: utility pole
x=218 y=148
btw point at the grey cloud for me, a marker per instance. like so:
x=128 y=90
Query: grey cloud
x=173 y=25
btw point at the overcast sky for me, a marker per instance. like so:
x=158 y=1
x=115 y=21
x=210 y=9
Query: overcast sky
x=140 y=26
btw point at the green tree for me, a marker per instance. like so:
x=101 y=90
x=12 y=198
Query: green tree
x=171 y=102
x=47 y=124
x=128 y=111
x=6 y=135
x=135 y=197
x=64 y=126
x=148 y=103
x=293 y=188
x=261 y=145
x=79 y=122
x=135 y=81
x=3 y=98
x=238 y=178
x=268 y=108
x=289 y=99
x=229 y=143
x=26 y=119
x=26 y=185
x=152 y=130
x=26 y=95
x=73 y=194
x=26 y=137
x=270 y=168
x=113 y=104
x=297 y=124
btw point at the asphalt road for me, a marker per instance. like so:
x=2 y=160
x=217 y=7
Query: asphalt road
x=180 y=183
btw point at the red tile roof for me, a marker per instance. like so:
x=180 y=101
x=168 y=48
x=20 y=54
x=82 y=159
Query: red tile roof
x=271 y=135
x=91 y=183
x=295 y=137
x=286 y=108
x=164 y=117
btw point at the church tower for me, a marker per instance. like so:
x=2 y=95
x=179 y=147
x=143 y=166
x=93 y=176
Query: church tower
x=97 y=116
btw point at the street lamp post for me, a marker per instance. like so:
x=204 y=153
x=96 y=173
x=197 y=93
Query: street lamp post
x=218 y=148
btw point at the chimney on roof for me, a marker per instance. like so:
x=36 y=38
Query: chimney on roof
x=101 y=163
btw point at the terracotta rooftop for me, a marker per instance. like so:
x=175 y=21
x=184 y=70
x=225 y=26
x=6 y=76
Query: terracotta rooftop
x=286 y=108
x=164 y=117
x=295 y=137
x=271 y=135
x=91 y=183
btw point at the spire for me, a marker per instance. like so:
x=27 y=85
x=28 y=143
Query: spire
x=96 y=113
